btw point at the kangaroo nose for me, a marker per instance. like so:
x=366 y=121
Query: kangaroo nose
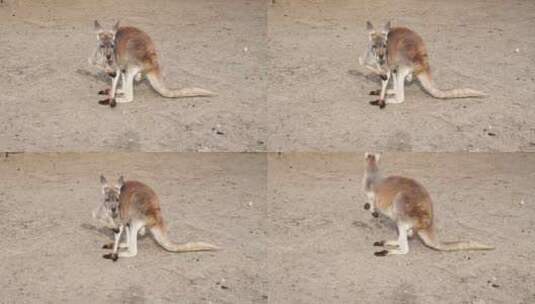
x=381 y=60
x=108 y=57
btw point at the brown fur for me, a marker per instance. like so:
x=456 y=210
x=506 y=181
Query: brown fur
x=134 y=46
x=406 y=47
x=416 y=207
x=137 y=199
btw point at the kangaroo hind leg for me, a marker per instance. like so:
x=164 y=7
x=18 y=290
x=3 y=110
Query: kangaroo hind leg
x=132 y=240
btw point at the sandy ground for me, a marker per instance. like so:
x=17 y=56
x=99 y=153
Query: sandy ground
x=49 y=100
x=318 y=94
x=316 y=97
x=320 y=244
x=51 y=247
x=292 y=226
x=310 y=243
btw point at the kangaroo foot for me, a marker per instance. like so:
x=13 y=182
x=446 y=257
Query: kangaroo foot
x=104 y=102
x=111 y=256
x=378 y=102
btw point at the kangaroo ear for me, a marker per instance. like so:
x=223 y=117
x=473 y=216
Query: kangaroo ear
x=104 y=184
x=103 y=180
x=366 y=155
x=369 y=26
x=116 y=26
x=98 y=27
x=120 y=182
x=377 y=157
x=387 y=27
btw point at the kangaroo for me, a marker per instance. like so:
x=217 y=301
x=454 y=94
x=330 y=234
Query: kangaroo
x=132 y=54
x=103 y=57
x=409 y=205
x=397 y=53
x=131 y=206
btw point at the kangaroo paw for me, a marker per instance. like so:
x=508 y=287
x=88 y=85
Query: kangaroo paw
x=104 y=102
x=111 y=256
x=104 y=92
x=375 y=92
x=381 y=253
x=378 y=102
x=113 y=103
x=379 y=243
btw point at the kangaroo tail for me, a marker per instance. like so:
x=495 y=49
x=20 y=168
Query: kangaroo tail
x=427 y=84
x=159 y=86
x=160 y=235
x=429 y=238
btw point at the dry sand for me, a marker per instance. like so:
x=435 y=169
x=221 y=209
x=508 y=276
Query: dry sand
x=51 y=247
x=310 y=243
x=320 y=244
x=317 y=96
x=49 y=91
x=318 y=93
x=291 y=225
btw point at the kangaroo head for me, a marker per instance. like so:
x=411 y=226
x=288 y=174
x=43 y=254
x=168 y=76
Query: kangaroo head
x=106 y=42
x=108 y=211
x=378 y=41
x=371 y=160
